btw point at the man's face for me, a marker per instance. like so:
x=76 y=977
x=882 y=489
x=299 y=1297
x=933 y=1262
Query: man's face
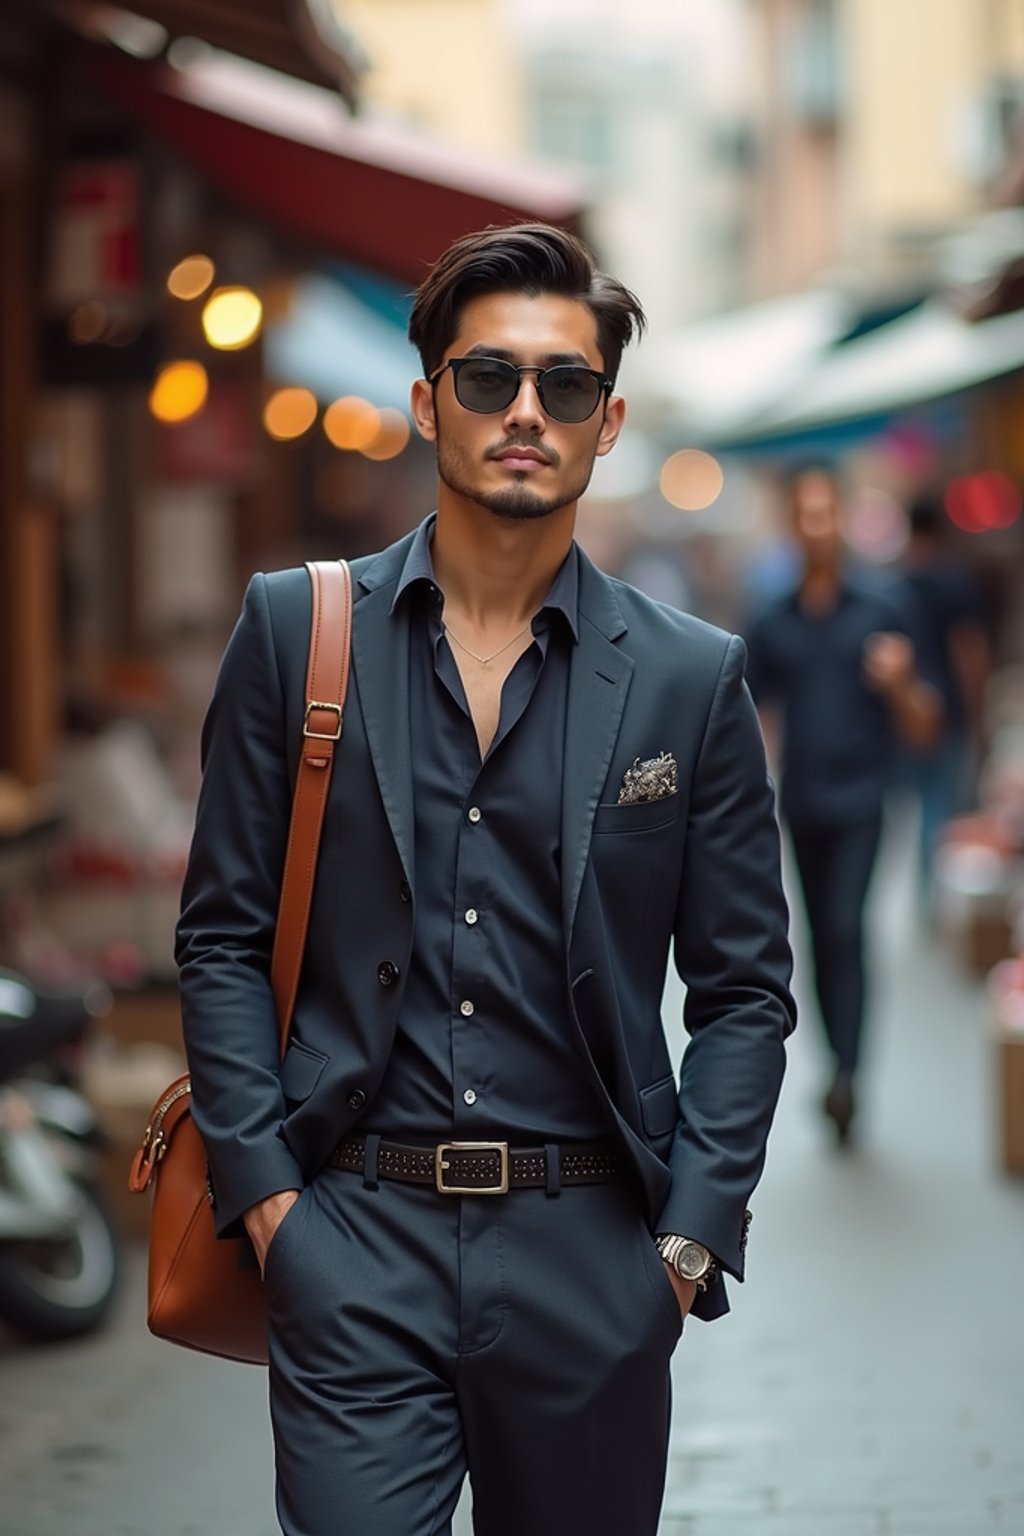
x=518 y=462
x=816 y=519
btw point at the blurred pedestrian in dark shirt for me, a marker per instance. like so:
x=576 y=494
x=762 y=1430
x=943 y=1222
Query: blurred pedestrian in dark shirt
x=833 y=668
x=953 y=610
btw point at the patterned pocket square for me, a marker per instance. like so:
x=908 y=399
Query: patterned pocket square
x=653 y=779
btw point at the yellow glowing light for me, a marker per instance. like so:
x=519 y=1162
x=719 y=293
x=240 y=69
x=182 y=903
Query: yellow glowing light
x=392 y=435
x=232 y=318
x=179 y=392
x=691 y=480
x=352 y=423
x=289 y=412
x=190 y=277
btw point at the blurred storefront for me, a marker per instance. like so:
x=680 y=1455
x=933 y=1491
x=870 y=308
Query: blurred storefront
x=206 y=262
x=136 y=494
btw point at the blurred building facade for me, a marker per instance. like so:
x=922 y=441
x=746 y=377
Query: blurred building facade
x=881 y=125
x=147 y=466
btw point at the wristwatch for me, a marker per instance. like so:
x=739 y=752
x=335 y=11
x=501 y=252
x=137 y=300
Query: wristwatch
x=690 y=1259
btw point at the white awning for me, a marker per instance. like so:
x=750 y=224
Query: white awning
x=926 y=354
x=714 y=376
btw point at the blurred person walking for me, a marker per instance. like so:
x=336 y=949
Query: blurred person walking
x=953 y=611
x=481 y=1201
x=832 y=669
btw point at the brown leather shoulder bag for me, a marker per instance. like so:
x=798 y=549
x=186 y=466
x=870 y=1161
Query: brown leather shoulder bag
x=199 y=1295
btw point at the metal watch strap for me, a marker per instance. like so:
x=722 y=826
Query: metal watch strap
x=669 y=1245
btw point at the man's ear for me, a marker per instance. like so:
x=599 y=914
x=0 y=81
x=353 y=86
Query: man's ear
x=611 y=426
x=423 y=411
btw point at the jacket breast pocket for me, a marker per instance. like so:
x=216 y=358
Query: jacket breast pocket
x=300 y=1072
x=659 y=1108
x=644 y=817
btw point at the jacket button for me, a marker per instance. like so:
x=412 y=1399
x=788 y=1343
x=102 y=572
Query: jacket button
x=405 y=890
x=387 y=972
x=356 y=1099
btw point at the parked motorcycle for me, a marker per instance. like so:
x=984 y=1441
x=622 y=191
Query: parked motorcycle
x=59 y=1260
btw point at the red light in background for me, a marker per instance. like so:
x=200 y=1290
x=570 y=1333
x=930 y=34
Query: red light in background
x=983 y=502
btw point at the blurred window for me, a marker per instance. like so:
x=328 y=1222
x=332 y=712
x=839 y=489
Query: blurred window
x=812 y=66
x=577 y=130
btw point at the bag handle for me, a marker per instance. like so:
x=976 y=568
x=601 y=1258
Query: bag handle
x=330 y=646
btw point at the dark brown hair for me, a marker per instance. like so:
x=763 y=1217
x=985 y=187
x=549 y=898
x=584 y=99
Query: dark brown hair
x=521 y=258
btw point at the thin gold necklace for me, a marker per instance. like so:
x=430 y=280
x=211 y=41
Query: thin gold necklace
x=483 y=660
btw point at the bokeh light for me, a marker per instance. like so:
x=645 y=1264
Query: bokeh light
x=392 y=435
x=876 y=524
x=352 y=423
x=190 y=277
x=232 y=318
x=983 y=502
x=691 y=480
x=289 y=412
x=87 y=322
x=180 y=391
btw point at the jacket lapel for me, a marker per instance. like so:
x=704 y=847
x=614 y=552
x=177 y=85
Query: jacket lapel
x=380 y=659
x=599 y=679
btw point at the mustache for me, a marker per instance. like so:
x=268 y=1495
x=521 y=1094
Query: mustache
x=547 y=454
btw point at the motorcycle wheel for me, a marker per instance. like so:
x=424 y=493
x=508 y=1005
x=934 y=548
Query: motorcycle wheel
x=57 y=1289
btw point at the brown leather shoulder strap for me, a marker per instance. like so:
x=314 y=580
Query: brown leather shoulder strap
x=330 y=646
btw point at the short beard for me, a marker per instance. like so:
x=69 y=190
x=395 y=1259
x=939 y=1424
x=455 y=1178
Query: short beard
x=516 y=503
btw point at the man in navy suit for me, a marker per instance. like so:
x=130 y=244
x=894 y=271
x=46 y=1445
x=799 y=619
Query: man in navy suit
x=481 y=1202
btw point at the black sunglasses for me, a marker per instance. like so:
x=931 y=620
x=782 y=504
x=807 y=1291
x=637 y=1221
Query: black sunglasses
x=568 y=393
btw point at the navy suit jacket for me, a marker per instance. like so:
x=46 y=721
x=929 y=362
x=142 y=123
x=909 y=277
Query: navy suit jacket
x=697 y=872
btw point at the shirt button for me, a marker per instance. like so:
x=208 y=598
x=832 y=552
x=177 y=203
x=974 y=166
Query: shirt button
x=405 y=890
x=474 y=814
x=387 y=973
x=469 y=1097
x=471 y=916
x=466 y=1009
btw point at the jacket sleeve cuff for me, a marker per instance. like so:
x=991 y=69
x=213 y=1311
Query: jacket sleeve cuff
x=723 y=1234
x=265 y=1175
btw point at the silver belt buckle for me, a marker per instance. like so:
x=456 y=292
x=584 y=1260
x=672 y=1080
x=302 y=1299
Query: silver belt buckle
x=441 y=1164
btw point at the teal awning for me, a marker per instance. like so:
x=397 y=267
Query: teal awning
x=335 y=343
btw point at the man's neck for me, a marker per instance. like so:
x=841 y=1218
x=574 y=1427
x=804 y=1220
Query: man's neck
x=496 y=572
x=820 y=588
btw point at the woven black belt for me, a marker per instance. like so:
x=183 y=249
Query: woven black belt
x=480 y=1167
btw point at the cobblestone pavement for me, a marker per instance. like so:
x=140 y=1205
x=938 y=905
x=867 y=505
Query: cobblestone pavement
x=869 y=1382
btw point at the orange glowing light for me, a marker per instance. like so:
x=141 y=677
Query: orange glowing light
x=352 y=423
x=191 y=277
x=179 y=392
x=289 y=412
x=392 y=436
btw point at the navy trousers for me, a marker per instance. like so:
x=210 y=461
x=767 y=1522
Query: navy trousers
x=415 y=1337
x=835 y=865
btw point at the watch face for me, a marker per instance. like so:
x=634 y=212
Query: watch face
x=692 y=1261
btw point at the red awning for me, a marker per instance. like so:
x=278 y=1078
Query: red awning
x=290 y=153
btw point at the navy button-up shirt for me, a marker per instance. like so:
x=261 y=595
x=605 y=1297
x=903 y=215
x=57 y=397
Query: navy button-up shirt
x=484 y=1048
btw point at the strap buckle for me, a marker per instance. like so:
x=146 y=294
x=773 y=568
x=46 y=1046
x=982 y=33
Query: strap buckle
x=334 y=735
x=441 y=1164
